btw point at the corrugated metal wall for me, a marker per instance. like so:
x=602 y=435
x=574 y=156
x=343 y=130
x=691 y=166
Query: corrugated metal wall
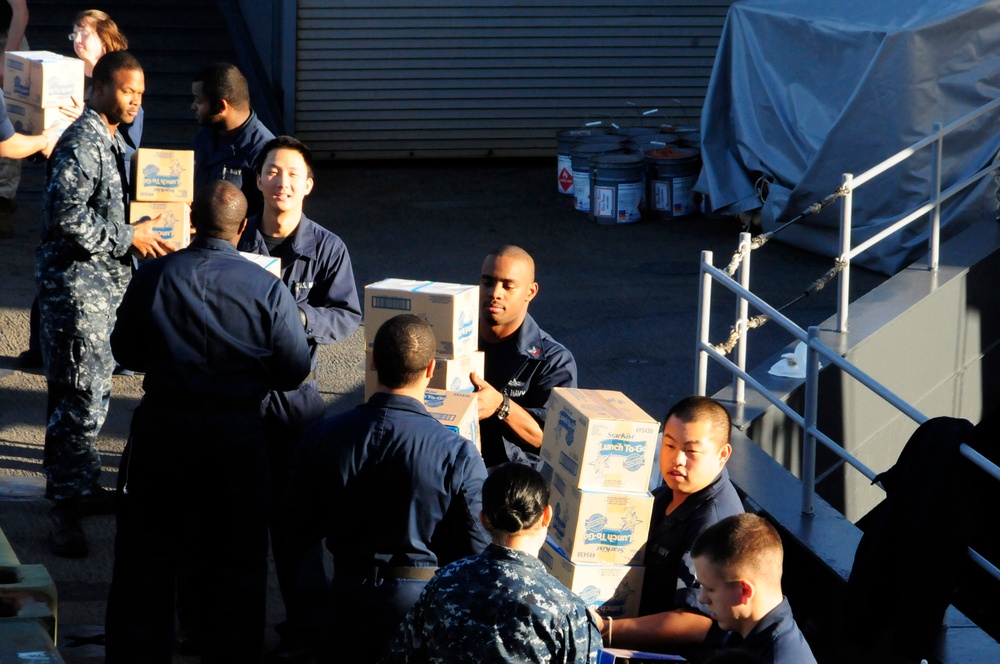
x=454 y=78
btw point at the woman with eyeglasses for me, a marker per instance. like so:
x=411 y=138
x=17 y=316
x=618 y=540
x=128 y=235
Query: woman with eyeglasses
x=94 y=34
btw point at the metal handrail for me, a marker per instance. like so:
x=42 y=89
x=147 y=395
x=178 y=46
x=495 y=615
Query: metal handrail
x=815 y=348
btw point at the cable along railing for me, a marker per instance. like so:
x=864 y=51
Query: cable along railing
x=816 y=349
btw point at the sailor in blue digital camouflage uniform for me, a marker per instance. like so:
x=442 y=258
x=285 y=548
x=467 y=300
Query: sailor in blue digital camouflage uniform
x=501 y=605
x=316 y=267
x=522 y=362
x=395 y=493
x=82 y=266
x=230 y=135
x=213 y=333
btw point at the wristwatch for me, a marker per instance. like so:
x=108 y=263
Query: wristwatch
x=503 y=410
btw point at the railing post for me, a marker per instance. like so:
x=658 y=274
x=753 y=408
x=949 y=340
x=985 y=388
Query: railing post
x=742 y=310
x=844 y=279
x=810 y=416
x=704 y=317
x=937 y=161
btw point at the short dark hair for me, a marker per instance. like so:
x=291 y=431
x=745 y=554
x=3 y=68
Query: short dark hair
x=514 y=497
x=224 y=80
x=517 y=253
x=218 y=210
x=742 y=543
x=113 y=62
x=284 y=143
x=690 y=409
x=404 y=346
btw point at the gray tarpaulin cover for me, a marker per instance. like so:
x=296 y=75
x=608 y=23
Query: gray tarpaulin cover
x=806 y=90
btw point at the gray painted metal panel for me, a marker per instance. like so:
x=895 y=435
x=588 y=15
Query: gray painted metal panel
x=452 y=78
x=931 y=338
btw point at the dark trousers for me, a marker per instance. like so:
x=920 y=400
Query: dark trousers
x=369 y=606
x=191 y=485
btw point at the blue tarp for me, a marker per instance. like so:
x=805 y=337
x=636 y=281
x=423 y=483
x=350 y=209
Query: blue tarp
x=806 y=90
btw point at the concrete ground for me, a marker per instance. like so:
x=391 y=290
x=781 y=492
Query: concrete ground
x=624 y=299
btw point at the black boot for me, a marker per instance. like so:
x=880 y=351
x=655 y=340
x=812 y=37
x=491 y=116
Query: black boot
x=67 y=538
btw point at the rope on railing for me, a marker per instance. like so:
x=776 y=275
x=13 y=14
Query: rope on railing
x=816 y=286
x=760 y=240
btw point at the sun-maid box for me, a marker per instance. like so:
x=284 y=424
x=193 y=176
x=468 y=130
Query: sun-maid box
x=452 y=310
x=43 y=78
x=449 y=374
x=30 y=119
x=611 y=590
x=459 y=411
x=270 y=263
x=174 y=227
x=599 y=440
x=163 y=175
x=599 y=526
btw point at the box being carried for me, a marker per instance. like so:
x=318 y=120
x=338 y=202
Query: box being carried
x=270 y=263
x=611 y=590
x=32 y=120
x=163 y=175
x=598 y=526
x=599 y=440
x=174 y=228
x=449 y=374
x=458 y=411
x=43 y=78
x=452 y=310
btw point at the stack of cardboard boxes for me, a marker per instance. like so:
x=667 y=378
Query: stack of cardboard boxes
x=600 y=446
x=36 y=84
x=452 y=310
x=163 y=184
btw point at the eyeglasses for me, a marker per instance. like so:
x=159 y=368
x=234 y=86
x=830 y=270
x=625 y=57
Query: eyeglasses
x=83 y=34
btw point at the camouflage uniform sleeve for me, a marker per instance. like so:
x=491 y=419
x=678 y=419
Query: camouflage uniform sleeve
x=77 y=215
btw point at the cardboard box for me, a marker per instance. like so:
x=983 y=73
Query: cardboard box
x=453 y=373
x=43 y=78
x=599 y=526
x=163 y=175
x=459 y=411
x=449 y=374
x=626 y=656
x=452 y=310
x=174 y=228
x=599 y=439
x=611 y=590
x=32 y=120
x=270 y=263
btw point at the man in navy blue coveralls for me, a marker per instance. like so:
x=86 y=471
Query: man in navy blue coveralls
x=230 y=135
x=522 y=362
x=395 y=493
x=213 y=333
x=739 y=562
x=316 y=268
x=697 y=493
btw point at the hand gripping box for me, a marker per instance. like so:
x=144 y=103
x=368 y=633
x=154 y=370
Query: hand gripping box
x=163 y=175
x=174 y=227
x=43 y=78
x=599 y=526
x=449 y=374
x=611 y=590
x=32 y=120
x=452 y=310
x=599 y=440
x=459 y=411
